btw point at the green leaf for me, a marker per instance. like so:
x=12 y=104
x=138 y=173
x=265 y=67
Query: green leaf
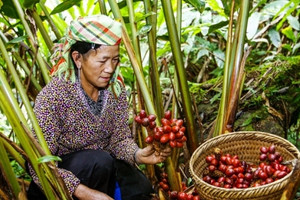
x=253 y=23
x=214 y=98
x=18 y=39
x=296 y=47
x=29 y=3
x=145 y=29
x=274 y=37
x=198 y=4
x=65 y=6
x=294 y=22
x=1 y=4
x=217 y=26
x=9 y=10
x=48 y=158
x=215 y=5
x=288 y=32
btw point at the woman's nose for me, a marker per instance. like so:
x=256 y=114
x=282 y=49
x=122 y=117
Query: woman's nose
x=109 y=67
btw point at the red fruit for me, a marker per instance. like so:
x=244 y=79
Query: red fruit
x=138 y=119
x=241 y=175
x=149 y=139
x=263 y=157
x=179 y=122
x=221 y=179
x=234 y=177
x=173 y=143
x=270 y=170
x=245 y=185
x=159 y=129
x=183 y=139
x=211 y=168
x=256 y=184
x=280 y=159
x=263 y=175
x=264 y=150
x=229 y=172
x=179 y=134
x=248 y=177
x=152 y=117
x=207 y=179
x=236 y=162
x=165 y=187
x=173 y=194
x=239 y=185
x=189 y=197
x=196 y=197
x=223 y=159
x=281 y=174
x=208 y=159
x=277 y=154
x=179 y=144
x=217 y=184
x=164 y=180
x=164 y=139
x=172 y=136
x=229 y=181
x=168 y=114
x=157 y=136
x=145 y=121
x=165 y=122
x=240 y=180
x=182 y=196
x=269 y=180
x=222 y=168
x=272 y=149
x=182 y=129
x=214 y=162
x=167 y=129
x=175 y=129
x=271 y=157
x=152 y=124
x=143 y=113
x=227 y=186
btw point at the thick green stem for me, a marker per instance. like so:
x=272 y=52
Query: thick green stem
x=8 y=171
x=175 y=45
x=42 y=29
x=102 y=7
x=41 y=62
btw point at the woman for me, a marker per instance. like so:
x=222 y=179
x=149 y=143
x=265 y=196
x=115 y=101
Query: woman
x=83 y=115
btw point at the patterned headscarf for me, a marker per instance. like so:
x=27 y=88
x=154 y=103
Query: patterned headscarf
x=97 y=29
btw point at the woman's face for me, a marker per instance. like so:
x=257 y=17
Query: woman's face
x=98 y=66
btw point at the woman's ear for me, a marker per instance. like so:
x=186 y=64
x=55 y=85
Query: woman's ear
x=76 y=56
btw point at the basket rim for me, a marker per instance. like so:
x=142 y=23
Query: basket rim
x=198 y=179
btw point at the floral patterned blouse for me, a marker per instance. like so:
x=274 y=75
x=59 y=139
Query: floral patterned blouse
x=69 y=124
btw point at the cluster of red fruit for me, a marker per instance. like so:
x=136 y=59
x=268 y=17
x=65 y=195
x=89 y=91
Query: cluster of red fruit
x=228 y=171
x=174 y=195
x=171 y=131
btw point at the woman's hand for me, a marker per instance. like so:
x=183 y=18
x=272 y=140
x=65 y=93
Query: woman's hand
x=149 y=155
x=83 y=192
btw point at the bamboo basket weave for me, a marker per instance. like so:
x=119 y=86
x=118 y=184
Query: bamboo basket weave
x=246 y=145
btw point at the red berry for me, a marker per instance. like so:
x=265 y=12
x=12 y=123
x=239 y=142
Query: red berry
x=149 y=139
x=269 y=180
x=263 y=175
x=175 y=129
x=182 y=129
x=229 y=172
x=227 y=186
x=221 y=179
x=172 y=136
x=248 y=177
x=214 y=162
x=207 y=179
x=189 y=197
x=208 y=159
x=168 y=114
x=145 y=121
x=165 y=122
x=179 y=122
x=164 y=139
x=138 y=119
x=263 y=157
x=179 y=135
x=167 y=129
x=281 y=174
x=157 y=135
x=271 y=157
x=196 y=197
x=179 y=144
x=264 y=150
x=173 y=143
x=272 y=149
x=182 y=196
x=173 y=194
x=152 y=117
x=143 y=113
x=211 y=168
x=152 y=124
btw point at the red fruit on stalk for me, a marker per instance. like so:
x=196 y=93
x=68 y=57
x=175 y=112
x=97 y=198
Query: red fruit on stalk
x=157 y=136
x=179 y=135
x=182 y=196
x=264 y=150
x=149 y=139
x=165 y=122
x=179 y=144
x=183 y=139
x=173 y=144
x=172 y=136
x=179 y=122
x=143 y=113
x=196 y=197
x=175 y=129
x=168 y=114
x=165 y=187
x=164 y=139
x=152 y=124
x=167 y=129
x=145 y=121
x=189 y=197
x=174 y=194
x=138 y=119
x=152 y=117
x=182 y=129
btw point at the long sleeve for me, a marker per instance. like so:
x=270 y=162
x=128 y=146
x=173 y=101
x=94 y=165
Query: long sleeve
x=122 y=144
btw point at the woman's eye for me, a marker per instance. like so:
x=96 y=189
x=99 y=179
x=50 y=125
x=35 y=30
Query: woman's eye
x=116 y=60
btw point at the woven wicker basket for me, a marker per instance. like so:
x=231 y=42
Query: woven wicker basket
x=246 y=145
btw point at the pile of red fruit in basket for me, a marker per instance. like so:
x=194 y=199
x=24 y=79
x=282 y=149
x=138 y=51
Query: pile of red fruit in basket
x=170 y=132
x=229 y=171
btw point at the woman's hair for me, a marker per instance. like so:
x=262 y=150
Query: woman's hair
x=82 y=48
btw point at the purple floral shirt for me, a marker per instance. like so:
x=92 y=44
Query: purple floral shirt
x=69 y=125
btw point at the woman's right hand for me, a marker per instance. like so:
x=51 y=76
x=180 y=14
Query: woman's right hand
x=83 y=192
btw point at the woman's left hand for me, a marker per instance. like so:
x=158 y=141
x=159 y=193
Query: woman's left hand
x=149 y=155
